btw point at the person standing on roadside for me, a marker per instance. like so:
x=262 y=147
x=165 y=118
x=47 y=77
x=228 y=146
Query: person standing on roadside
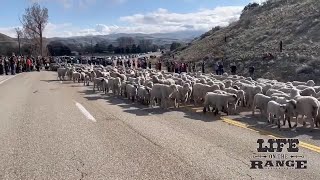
x=233 y=69
x=251 y=71
x=221 y=70
x=28 y=64
x=6 y=66
x=216 y=68
x=149 y=64
x=1 y=65
x=12 y=61
x=202 y=66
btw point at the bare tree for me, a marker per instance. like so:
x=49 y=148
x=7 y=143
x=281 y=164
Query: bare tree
x=34 y=22
x=19 y=36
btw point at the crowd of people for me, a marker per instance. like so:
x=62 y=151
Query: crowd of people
x=18 y=64
x=179 y=67
x=139 y=63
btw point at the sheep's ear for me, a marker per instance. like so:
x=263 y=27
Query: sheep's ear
x=293 y=103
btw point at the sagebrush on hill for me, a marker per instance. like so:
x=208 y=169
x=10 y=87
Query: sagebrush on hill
x=259 y=31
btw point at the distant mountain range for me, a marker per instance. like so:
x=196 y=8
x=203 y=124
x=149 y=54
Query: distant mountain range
x=7 y=44
x=158 y=38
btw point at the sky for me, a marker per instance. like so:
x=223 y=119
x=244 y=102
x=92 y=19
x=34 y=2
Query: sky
x=101 y=17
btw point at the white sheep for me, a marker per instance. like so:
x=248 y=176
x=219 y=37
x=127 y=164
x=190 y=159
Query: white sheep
x=261 y=102
x=272 y=91
x=277 y=110
x=200 y=90
x=97 y=83
x=240 y=94
x=305 y=106
x=132 y=90
x=281 y=95
x=123 y=89
x=76 y=76
x=219 y=102
x=294 y=93
x=163 y=93
x=105 y=85
x=250 y=92
x=308 y=92
x=184 y=94
x=143 y=95
x=61 y=73
x=281 y=100
x=116 y=86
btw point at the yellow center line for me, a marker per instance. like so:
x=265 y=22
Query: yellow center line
x=270 y=134
x=263 y=132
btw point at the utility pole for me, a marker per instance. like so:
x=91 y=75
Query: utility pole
x=19 y=34
x=91 y=52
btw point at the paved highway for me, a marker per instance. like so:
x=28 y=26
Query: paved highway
x=61 y=130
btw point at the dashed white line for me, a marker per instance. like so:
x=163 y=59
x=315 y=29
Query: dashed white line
x=85 y=112
x=60 y=82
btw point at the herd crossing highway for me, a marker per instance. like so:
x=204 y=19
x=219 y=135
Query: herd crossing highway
x=51 y=129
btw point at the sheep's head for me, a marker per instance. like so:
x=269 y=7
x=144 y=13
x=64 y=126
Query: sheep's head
x=283 y=108
x=290 y=107
x=233 y=98
x=236 y=87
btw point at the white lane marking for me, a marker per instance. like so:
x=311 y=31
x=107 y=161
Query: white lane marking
x=8 y=78
x=60 y=82
x=85 y=112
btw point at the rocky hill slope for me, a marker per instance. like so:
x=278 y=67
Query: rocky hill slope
x=259 y=31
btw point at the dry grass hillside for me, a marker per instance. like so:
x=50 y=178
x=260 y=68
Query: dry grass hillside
x=259 y=31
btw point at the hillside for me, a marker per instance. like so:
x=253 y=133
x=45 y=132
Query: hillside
x=6 y=44
x=259 y=31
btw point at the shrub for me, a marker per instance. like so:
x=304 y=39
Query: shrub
x=304 y=69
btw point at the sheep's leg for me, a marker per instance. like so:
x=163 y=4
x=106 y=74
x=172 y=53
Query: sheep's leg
x=278 y=121
x=176 y=104
x=216 y=111
x=311 y=123
x=205 y=108
x=297 y=118
x=289 y=122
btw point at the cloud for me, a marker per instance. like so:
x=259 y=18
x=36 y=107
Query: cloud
x=159 y=21
x=202 y=20
x=9 y=31
x=259 y=1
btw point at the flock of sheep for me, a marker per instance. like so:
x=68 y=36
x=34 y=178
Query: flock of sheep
x=275 y=100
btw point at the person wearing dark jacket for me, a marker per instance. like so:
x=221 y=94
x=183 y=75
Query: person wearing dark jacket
x=38 y=64
x=233 y=68
x=6 y=66
x=1 y=65
x=149 y=64
x=13 y=64
x=202 y=66
x=251 y=71
x=221 y=70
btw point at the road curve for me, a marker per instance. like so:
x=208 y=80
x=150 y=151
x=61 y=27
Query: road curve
x=62 y=130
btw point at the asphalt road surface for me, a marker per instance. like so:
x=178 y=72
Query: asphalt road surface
x=62 y=130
